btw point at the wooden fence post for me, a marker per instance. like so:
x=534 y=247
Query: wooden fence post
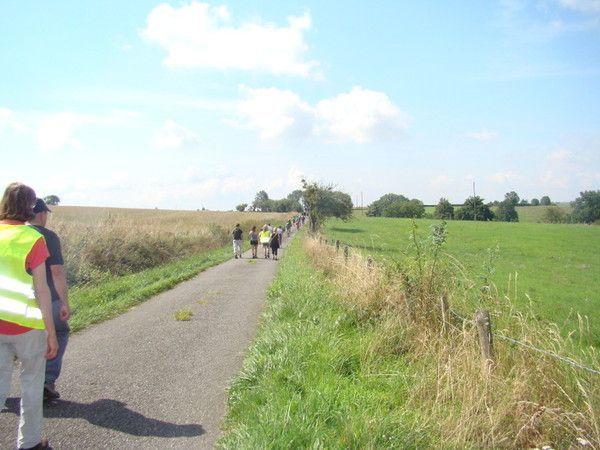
x=484 y=329
x=346 y=253
x=337 y=245
x=444 y=306
x=370 y=263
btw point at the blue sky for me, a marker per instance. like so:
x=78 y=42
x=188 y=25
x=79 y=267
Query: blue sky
x=185 y=105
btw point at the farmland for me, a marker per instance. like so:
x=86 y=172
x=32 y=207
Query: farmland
x=116 y=258
x=553 y=268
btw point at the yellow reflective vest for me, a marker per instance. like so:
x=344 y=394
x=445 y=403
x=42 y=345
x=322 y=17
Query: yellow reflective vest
x=17 y=300
x=264 y=236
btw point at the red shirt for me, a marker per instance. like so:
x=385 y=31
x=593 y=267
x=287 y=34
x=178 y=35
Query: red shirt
x=37 y=255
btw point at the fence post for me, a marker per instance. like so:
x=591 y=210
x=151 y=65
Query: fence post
x=346 y=252
x=444 y=306
x=370 y=263
x=337 y=245
x=484 y=329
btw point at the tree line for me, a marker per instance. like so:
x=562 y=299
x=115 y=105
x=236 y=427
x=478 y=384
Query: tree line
x=586 y=208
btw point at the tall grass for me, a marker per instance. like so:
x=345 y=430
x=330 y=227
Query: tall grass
x=103 y=242
x=527 y=400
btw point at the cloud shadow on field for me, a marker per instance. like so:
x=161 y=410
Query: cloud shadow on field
x=115 y=415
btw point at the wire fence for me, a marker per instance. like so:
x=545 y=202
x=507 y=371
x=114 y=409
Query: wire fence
x=338 y=244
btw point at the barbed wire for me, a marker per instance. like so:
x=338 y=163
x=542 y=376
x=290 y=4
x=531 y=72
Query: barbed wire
x=569 y=361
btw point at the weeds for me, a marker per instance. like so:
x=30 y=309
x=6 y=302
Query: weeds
x=183 y=315
x=528 y=400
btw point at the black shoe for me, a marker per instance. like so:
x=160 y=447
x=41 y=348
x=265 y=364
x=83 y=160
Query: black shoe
x=43 y=445
x=50 y=393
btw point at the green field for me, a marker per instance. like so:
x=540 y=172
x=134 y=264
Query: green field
x=555 y=268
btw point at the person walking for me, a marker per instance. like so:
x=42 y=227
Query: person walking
x=57 y=282
x=26 y=325
x=265 y=238
x=280 y=235
x=274 y=244
x=253 y=235
x=237 y=241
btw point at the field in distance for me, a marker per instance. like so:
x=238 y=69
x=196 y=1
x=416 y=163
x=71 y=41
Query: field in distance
x=113 y=241
x=555 y=268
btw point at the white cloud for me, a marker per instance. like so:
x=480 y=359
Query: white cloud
x=483 y=135
x=294 y=178
x=585 y=6
x=57 y=130
x=198 y=35
x=358 y=116
x=172 y=135
x=8 y=121
x=441 y=180
x=275 y=113
x=503 y=177
x=559 y=156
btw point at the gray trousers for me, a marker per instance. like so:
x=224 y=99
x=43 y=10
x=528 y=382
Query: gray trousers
x=29 y=348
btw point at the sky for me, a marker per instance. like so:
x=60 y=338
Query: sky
x=189 y=105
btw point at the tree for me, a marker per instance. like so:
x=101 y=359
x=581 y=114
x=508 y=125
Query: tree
x=586 y=207
x=377 y=208
x=322 y=202
x=512 y=197
x=52 y=200
x=545 y=200
x=535 y=202
x=241 y=207
x=474 y=209
x=261 y=202
x=553 y=214
x=405 y=208
x=444 y=210
x=506 y=211
x=523 y=202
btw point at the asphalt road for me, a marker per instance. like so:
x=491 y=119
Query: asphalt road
x=145 y=380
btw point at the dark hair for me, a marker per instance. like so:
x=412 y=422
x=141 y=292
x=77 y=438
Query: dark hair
x=17 y=203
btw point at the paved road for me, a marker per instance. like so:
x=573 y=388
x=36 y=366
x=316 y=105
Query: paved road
x=145 y=380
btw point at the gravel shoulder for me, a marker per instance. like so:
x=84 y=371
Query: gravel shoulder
x=145 y=380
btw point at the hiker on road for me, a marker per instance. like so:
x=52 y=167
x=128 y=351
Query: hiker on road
x=265 y=238
x=237 y=241
x=57 y=282
x=274 y=244
x=26 y=325
x=253 y=235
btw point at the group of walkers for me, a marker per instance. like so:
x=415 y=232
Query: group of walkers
x=34 y=308
x=270 y=238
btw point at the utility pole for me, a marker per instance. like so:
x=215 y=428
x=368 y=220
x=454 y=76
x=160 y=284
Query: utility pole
x=361 y=200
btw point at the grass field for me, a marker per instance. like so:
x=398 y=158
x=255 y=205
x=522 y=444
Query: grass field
x=555 y=268
x=338 y=363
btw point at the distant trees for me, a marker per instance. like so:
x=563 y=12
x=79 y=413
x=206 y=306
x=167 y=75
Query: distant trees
x=586 y=207
x=263 y=203
x=545 y=201
x=444 y=210
x=394 y=205
x=553 y=214
x=535 y=202
x=474 y=209
x=322 y=202
x=507 y=211
x=241 y=207
x=52 y=200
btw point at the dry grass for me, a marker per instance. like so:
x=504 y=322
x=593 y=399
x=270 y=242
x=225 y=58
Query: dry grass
x=110 y=241
x=527 y=400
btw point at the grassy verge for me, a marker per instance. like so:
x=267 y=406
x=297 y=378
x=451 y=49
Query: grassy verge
x=310 y=379
x=353 y=354
x=115 y=295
